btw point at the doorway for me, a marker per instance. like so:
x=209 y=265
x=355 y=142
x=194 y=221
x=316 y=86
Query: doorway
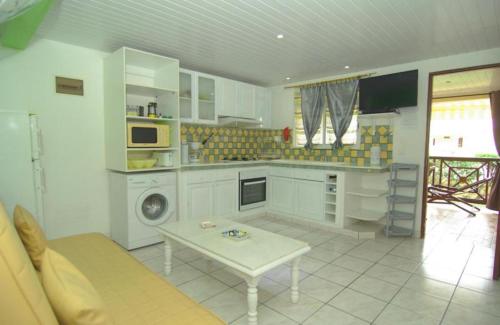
x=460 y=159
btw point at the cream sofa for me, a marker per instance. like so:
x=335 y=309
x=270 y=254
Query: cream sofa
x=132 y=294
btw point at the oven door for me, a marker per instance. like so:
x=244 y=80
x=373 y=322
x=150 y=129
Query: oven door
x=252 y=193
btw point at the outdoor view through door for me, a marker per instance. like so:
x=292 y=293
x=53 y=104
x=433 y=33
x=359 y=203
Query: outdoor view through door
x=463 y=158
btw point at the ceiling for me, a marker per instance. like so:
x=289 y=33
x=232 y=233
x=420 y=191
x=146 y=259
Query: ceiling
x=237 y=38
x=465 y=83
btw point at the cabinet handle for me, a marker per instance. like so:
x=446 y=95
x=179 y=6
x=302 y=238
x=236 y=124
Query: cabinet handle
x=253 y=183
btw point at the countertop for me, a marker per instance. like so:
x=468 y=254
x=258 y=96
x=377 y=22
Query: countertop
x=286 y=163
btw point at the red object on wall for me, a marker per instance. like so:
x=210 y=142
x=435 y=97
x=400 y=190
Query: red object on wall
x=286 y=133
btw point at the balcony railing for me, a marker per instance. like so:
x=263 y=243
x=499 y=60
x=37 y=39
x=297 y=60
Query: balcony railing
x=459 y=172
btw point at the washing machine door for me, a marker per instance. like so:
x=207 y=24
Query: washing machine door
x=153 y=208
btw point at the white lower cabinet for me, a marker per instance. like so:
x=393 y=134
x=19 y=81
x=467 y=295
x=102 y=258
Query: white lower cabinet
x=225 y=198
x=282 y=194
x=298 y=192
x=209 y=194
x=199 y=199
x=310 y=199
x=294 y=192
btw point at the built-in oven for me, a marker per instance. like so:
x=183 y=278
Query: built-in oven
x=253 y=189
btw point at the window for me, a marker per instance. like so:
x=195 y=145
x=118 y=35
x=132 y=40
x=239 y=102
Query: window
x=325 y=135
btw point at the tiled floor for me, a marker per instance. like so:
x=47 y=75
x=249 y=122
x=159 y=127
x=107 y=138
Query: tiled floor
x=442 y=280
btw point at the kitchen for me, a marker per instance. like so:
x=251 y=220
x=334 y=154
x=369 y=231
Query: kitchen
x=229 y=162
x=195 y=115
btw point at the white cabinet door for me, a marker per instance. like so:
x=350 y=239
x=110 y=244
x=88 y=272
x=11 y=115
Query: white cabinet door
x=283 y=194
x=186 y=95
x=206 y=94
x=310 y=199
x=263 y=106
x=199 y=201
x=198 y=97
x=225 y=198
x=229 y=97
x=246 y=100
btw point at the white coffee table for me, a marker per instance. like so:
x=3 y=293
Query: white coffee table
x=249 y=258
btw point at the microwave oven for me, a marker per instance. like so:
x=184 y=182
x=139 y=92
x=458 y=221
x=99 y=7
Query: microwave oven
x=148 y=135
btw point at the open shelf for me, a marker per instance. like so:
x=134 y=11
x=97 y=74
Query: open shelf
x=329 y=210
x=153 y=149
x=134 y=78
x=402 y=183
x=401 y=215
x=147 y=91
x=330 y=187
x=151 y=119
x=397 y=231
x=402 y=199
x=150 y=169
x=365 y=215
x=365 y=192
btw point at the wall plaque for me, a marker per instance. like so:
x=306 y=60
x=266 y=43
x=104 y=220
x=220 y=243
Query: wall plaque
x=69 y=86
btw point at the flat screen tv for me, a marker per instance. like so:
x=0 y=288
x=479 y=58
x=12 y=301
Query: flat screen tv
x=388 y=93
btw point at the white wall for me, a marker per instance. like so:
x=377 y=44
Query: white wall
x=76 y=200
x=410 y=127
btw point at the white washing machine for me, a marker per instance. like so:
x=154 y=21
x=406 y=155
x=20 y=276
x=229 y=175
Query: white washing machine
x=138 y=203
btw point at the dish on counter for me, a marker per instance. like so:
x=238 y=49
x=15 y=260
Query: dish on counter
x=235 y=234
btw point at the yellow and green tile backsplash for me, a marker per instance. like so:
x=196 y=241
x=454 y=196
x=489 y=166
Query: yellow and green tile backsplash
x=236 y=142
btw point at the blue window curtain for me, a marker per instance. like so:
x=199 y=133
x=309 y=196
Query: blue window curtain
x=341 y=98
x=312 y=107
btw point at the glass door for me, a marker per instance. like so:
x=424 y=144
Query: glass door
x=206 y=98
x=185 y=96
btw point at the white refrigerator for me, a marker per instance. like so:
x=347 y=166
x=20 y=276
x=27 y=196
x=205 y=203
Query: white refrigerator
x=21 y=174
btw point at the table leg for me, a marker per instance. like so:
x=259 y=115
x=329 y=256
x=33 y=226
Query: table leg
x=294 y=289
x=252 y=298
x=168 y=256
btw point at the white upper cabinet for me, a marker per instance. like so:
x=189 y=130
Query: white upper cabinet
x=199 y=95
x=246 y=100
x=263 y=106
x=186 y=103
x=203 y=98
x=229 y=97
x=207 y=93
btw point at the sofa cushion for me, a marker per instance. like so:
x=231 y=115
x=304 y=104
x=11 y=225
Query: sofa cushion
x=22 y=299
x=31 y=235
x=72 y=296
x=132 y=293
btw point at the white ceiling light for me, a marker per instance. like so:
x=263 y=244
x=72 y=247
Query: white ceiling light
x=346 y=67
x=288 y=78
x=280 y=36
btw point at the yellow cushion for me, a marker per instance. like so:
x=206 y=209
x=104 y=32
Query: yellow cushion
x=71 y=295
x=133 y=294
x=22 y=299
x=31 y=235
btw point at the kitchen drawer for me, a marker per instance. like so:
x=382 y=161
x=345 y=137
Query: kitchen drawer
x=281 y=172
x=226 y=175
x=199 y=177
x=309 y=174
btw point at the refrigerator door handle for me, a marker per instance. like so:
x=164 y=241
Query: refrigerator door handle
x=42 y=180
x=40 y=142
